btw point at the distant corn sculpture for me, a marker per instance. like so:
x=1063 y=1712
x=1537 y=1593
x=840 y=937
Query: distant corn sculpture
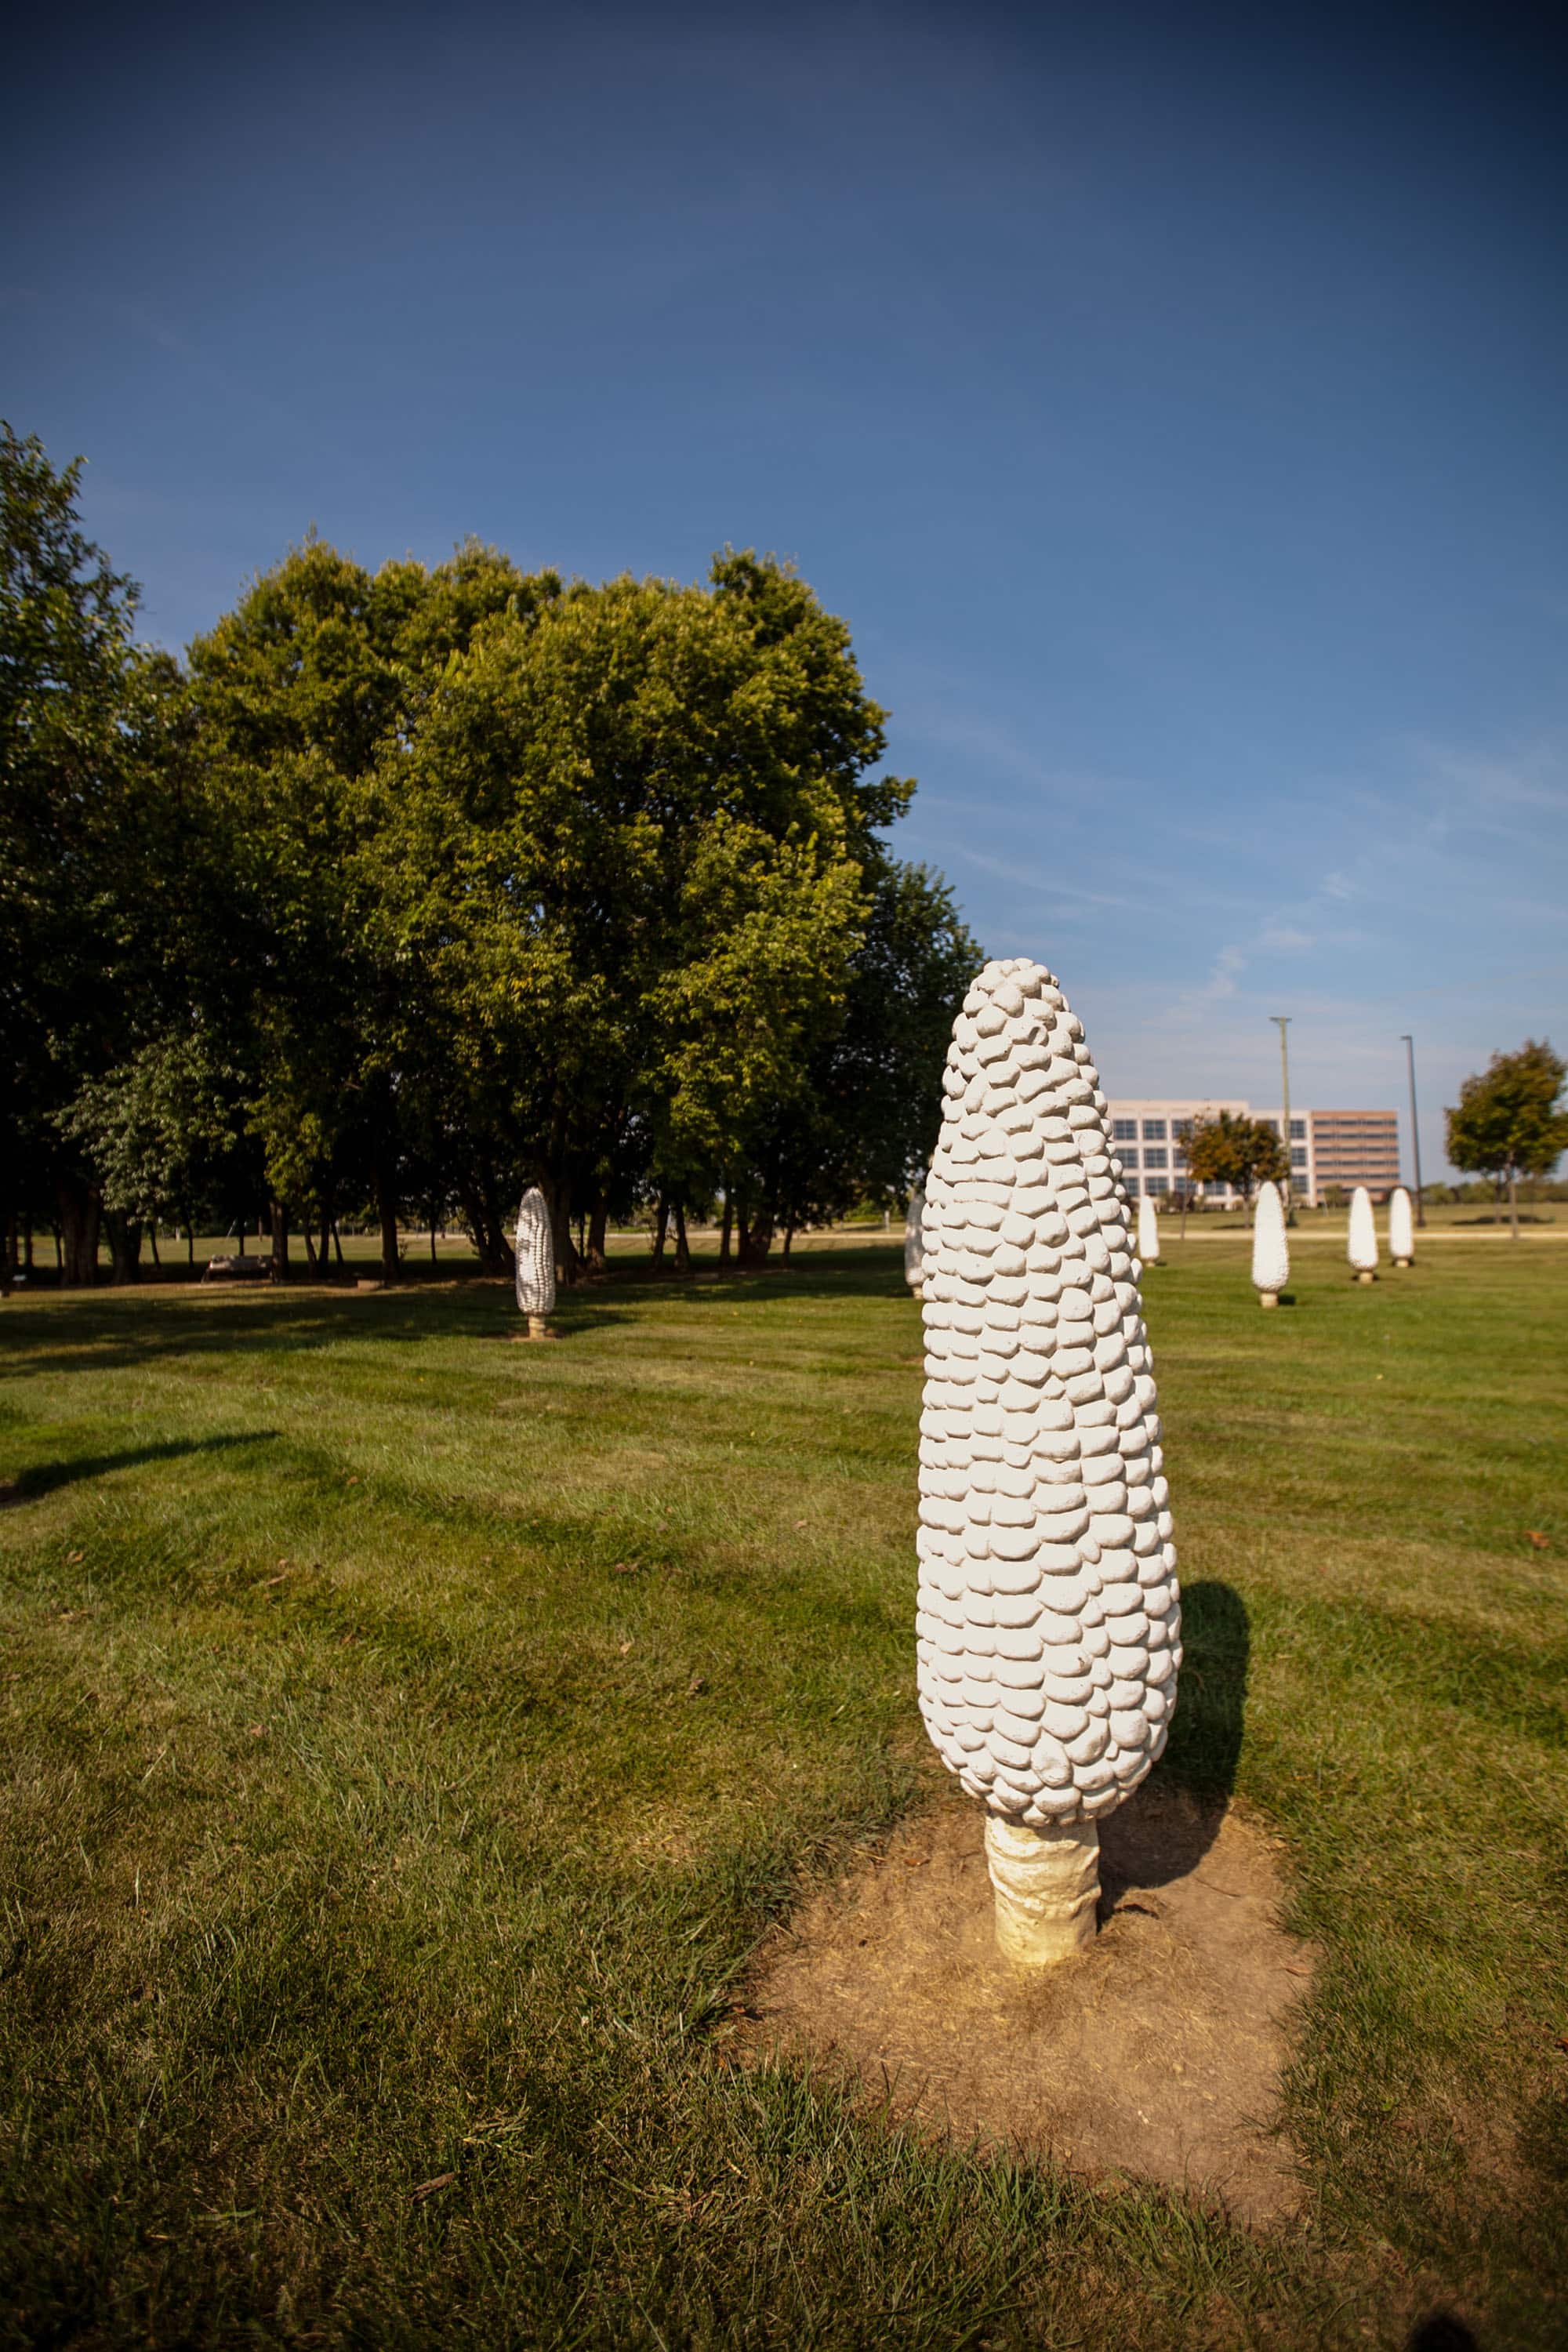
x=1360 y=1245
x=1401 y=1228
x=535 y=1253
x=1148 y=1232
x=914 y=1243
x=1271 y=1250
x=1049 y=1625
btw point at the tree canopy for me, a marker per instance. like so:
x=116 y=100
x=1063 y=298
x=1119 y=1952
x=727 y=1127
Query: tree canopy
x=1510 y=1120
x=1230 y=1149
x=411 y=886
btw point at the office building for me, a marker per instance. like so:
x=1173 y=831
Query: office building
x=1328 y=1148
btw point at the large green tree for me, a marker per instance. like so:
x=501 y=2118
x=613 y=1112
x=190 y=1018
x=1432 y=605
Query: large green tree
x=92 y=744
x=1230 y=1149
x=321 y=672
x=624 y=861
x=1510 y=1120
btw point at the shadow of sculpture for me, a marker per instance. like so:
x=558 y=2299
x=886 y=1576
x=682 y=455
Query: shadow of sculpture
x=45 y=1477
x=1165 y=1828
x=1442 y=2332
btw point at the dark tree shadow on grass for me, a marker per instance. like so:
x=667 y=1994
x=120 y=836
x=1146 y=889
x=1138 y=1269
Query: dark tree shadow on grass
x=96 y=1332
x=45 y=1477
x=1150 y=1844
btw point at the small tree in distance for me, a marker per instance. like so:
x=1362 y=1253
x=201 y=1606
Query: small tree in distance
x=1230 y=1149
x=1509 y=1121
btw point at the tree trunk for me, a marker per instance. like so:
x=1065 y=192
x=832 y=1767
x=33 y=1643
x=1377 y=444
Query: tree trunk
x=387 y=1202
x=598 y=1224
x=1185 y=1196
x=661 y=1228
x=280 y=1220
x=434 y=1260
x=727 y=1228
x=789 y=1237
x=310 y=1242
x=1514 y=1204
x=568 y=1261
x=27 y=1249
x=326 y=1248
x=756 y=1239
x=683 y=1246
x=152 y=1244
x=124 y=1248
x=490 y=1243
x=337 y=1242
x=75 y=1240
x=8 y=1259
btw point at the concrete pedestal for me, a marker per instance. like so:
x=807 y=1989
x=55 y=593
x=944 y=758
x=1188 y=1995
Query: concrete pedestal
x=1047 y=1885
x=1269 y=1298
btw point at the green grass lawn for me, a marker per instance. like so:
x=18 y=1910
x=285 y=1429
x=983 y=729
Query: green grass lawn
x=407 y=1737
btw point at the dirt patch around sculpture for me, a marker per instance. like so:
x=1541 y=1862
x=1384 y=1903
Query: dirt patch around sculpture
x=1156 y=2055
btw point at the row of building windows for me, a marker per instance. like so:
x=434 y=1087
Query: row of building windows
x=1157 y=1157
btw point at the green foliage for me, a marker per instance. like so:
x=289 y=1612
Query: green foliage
x=92 y=742
x=461 y=876
x=157 y=1130
x=1510 y=1120
x=1230 y=1149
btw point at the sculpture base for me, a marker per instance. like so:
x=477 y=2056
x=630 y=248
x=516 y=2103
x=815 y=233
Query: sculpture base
x=1366 y=1278
x=1047 y=1885
x=1269 y=1298
x=1404 y=1261
x=539 y=1327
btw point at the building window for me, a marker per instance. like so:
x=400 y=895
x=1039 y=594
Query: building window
x=1182 y=1128
x=1157 y=1184
x=1298 y=1153
x=1125 y=1130
x=1153 y=1130
x=1159 y=1158
x=1130 y=1159
x=1298 y=1131
x=1271 y=1124
x=1131 y=1182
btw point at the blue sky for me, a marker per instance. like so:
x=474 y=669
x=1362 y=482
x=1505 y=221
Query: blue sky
x=1172 y=400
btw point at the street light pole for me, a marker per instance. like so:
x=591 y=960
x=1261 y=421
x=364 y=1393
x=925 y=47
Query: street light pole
x=1283 y=1023
x=1409 y=1044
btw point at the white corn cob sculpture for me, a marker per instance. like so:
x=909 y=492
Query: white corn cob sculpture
x=1271 y=1250
x=914 y=1243
x=1048 y=1628
x=1148 y=1232
x=1401 y=1228
x=535 y=1254
x=1362 y=1244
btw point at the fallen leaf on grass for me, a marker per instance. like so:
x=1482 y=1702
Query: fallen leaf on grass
x=428 y=2187
x=626 y=1567
x=1540 y=1542
x=800 y=1523
x=258 y=1731
x=696 y=1686
x=72 y=1557
x=624 y=1646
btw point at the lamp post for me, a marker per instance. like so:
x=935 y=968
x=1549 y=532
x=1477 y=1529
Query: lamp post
x=1282 y=1021
x=1409 y=1044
